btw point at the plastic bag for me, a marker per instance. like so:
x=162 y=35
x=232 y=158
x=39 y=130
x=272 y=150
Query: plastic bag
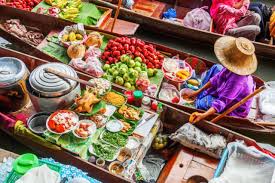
x=190 y=136
x=198 y=18
x=267 y=99
x=92 y=52
x=169 y=93
x=94 y=67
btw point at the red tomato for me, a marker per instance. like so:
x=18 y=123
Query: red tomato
x=51 y=124
x=133 y=41
x=126 y=47
x=123 y=52
x=60 y=128
x=114 y=48
x=116 y=53
x=132 y=49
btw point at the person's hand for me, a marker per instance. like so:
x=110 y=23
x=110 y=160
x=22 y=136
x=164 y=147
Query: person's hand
x=191 y=94
x=196 y=117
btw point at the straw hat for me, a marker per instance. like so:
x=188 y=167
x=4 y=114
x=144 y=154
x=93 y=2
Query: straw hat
x=236 y=54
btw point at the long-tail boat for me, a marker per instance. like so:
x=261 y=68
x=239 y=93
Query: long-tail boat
x=149 y=14
x=182 y=163
x=54 y=24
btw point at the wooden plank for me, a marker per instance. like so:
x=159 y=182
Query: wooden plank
x=196 y=168
x=122 y=27
x=206 y=160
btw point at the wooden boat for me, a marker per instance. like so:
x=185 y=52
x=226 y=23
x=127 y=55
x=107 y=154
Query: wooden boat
x=179 y=159
x=239 y=124
x=104 y=23
x=149 y=13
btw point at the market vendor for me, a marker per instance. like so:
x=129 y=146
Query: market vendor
x=231 y=17
x=227 y=85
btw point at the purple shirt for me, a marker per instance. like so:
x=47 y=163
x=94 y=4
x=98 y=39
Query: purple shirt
x=229 y=88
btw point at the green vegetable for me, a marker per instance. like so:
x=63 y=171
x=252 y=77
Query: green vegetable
x=115 y=139
x=104 y=151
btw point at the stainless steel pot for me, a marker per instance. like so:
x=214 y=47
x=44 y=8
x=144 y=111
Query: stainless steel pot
x=13 y=93
x=49 y=92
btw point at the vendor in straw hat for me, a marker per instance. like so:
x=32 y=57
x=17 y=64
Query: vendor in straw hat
x=225 y=86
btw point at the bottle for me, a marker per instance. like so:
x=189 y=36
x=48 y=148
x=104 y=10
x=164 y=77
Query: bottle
x=138 y=95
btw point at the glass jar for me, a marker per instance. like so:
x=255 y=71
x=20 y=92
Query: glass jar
x=13 y=92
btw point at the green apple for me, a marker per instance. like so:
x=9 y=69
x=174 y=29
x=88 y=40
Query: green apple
x=130 y=70
x=122 y=71
x=105 y=76
x=124 y=66
x=111 y=70
x=135 y=74
x=115 y=73
x=137 y=64
x=127 y=85
x=110 y=78
x=138 y=59
x=150 y=72
x=138 y=69
x=119 y=80
x=123 y=58
x=126 y=77
x=131 y=63
x=106 y=67
x=133 y=87
x=155 y=71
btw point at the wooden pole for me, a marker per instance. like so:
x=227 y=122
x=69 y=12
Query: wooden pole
x=116 y=15
x=216 y=119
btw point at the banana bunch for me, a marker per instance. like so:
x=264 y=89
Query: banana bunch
x=272 y=25
x=71 y=11
x=59 y=3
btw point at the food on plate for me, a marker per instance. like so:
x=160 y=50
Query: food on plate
x=76 y=51
x=126 y=126
x=124 y=154
x=115 y=139
x=169 y=93
x=94 y=39
x=84 y=104
x=99 y=120
x=114 y=125
x=193 y=82
x=114 y=98
x=101 y=86
x=134 y=47
x=170 y=65
x=85 y=129
x=116 y=168
x=129 y=112
x=183 y=74
x=104 y=151
x=62 y=121
x=160 y=141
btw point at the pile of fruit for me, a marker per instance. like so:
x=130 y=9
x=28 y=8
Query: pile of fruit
x=124 y=73
x=135 y=48
x=160 y=141
x=27 y=5
x=69 y=8
x=72 y=36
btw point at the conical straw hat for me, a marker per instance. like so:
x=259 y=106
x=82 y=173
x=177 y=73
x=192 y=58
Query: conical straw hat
x=236 y=54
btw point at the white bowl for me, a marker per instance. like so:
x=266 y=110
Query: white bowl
x=110 y=125
x=92 y=129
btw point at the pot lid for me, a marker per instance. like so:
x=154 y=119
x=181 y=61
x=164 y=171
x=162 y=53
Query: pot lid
x=49 y=85
x=11 y=71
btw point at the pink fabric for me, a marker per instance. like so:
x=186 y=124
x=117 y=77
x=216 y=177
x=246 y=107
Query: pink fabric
x=225 y=16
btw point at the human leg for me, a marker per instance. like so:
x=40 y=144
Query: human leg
x=250 y=32
x=250 y=19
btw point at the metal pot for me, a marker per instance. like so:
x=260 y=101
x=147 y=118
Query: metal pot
x=13 y=93
x=49 y=92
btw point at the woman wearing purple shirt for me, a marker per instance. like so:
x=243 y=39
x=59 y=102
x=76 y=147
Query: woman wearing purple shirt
x=231 y=83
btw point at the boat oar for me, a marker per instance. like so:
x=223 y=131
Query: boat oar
x=116 y=15
x=244 y=100
x=63 y=75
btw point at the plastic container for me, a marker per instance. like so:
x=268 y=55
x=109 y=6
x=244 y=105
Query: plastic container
x=138 y=95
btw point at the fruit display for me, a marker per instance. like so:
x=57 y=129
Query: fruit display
x=27 y=5
x=134 y=47
x=116 y=139
x=84 y=104
x=183 y=74
x=74 y=34
x=160 y=141
x=114 y=98
x=129 y=112
x=85 y=129
x=101 y=86
x=62 y=121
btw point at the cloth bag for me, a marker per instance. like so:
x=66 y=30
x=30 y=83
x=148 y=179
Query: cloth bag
x=198 y=18
x=247 y=165
x=42 y=174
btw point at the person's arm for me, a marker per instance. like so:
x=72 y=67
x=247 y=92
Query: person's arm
x=196 y=117
x=195 y=93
